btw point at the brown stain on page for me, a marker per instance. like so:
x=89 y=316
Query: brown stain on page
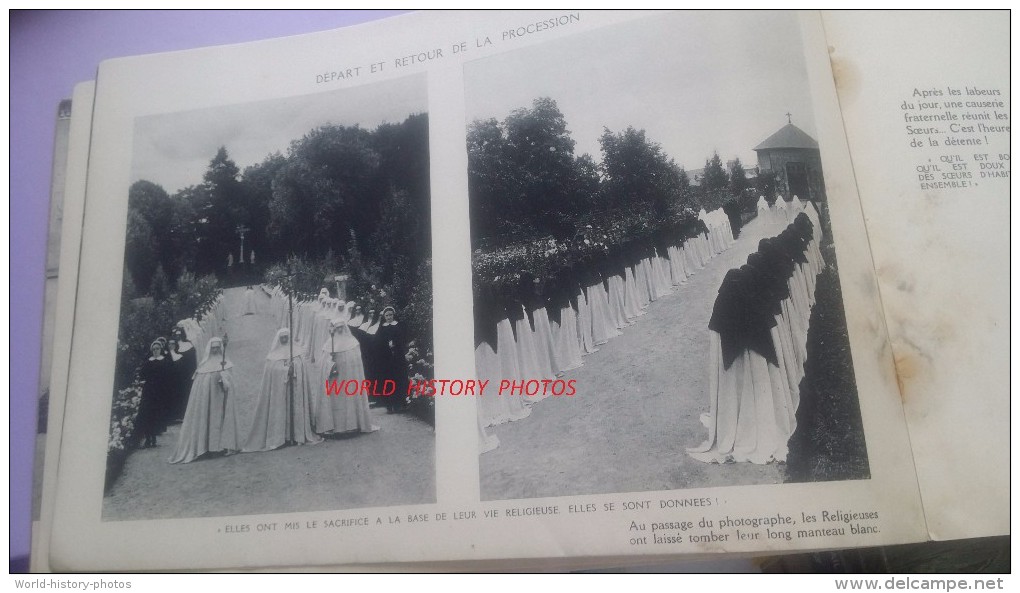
x=845 y=75
x=892 y=274
x=924 y=338
x=907 y=368
x=917 y=358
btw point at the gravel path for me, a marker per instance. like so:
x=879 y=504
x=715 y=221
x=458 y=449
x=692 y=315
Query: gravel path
x=637 y=408
x=393 y=466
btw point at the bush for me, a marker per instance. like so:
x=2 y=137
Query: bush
x=193 y=297
x=122 y=416
x=597 y=234
x=829 y=441
x=122 y=430
x=144 y=319
x=141 y=321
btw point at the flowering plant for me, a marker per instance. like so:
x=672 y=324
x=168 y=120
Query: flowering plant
x=122 y=416
x=596 y=235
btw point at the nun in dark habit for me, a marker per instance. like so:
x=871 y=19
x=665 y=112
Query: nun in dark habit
x=185 y=361
x=157 y=375
x=383 y=353
x=742 y=418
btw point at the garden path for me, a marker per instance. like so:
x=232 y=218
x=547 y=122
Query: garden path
x=392 y=466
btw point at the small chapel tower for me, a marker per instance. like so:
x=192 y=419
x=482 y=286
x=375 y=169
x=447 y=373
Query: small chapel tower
x=794 y=157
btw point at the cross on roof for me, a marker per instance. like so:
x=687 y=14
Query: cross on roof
x=788 y=120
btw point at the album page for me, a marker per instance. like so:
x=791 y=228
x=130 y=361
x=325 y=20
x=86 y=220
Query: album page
x=460 y=287
x=930 y=137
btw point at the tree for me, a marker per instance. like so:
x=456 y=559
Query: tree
x=489 y=185
x=160 y=287
x=404 y=171
x=738 y=179
x=587 y=196
x=684 y=180
x=220 y=207
x=686 y=190
x=342 y=185
x=257 y=186
x=328 y=187
x=714 y=191
x=541 y=153
x=637 y=174
x=177 y=254
x=149 y=200
x=150 y=213
x=391 y=236
x=715 y=177
x=765 y=184
x=222 y=172
x=141 y=251
x=190 y=229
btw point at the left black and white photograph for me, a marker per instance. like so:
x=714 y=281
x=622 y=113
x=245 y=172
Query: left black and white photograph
x=276 y=302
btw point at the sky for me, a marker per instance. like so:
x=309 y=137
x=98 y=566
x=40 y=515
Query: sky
x=695 y=82
x=173 y=150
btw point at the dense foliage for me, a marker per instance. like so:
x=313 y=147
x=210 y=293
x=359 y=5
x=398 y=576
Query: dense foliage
x=336 y=188
x=537 y=207
x=144 y=318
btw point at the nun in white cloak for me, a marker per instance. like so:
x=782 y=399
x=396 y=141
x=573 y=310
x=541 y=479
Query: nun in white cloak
x=763 y=208
x=251 y=306
x=781 y=211
x=340 y=360
x=283 y=415
x=210 y=421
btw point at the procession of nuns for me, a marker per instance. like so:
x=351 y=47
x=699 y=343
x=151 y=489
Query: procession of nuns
x=542 y=328
x=757 y=338
x=758 y=343
x=319 y=342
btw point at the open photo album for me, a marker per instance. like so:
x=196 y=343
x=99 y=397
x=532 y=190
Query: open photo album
x=533 y=290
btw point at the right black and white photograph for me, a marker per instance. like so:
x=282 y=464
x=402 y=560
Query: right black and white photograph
x=657 y=303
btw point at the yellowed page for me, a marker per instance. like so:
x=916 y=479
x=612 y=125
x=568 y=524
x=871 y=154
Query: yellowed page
x=740 y=508
x=925 y=98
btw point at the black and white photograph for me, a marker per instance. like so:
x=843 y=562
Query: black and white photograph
x=656 y=292
x=276 y=301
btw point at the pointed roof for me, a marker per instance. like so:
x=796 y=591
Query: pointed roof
x=788 y=136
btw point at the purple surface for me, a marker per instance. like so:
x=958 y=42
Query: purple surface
x=51 y=51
